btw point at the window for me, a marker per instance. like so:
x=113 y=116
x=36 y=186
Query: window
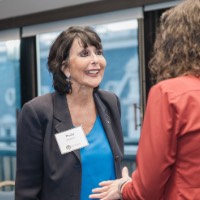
x=10 y=87
x=9 y=103
x=120 y=44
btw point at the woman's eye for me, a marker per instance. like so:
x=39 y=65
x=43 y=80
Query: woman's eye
x=99 y=52
x=84 y=53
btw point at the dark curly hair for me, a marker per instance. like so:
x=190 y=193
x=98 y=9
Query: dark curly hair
x=177 y=45
x=59 y=52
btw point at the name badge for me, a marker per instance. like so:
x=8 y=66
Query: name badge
x=71 y=140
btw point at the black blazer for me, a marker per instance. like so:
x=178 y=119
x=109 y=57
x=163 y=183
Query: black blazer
x=42 y=172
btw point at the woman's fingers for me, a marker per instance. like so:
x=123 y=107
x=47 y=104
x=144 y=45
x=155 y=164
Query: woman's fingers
x=97 y=196
x=105 y=183
x=98 y=190
x=107 y=192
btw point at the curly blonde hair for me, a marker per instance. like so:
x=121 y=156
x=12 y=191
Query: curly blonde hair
x=177 y=45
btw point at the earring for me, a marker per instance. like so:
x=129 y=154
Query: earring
x=68 y=85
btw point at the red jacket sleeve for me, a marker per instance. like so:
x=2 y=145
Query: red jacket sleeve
x=157 y=149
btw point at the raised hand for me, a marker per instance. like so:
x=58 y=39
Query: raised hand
x=111 y=190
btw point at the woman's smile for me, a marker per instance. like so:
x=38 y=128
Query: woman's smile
x=92 y=72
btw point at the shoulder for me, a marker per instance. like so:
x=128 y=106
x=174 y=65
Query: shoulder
x=40 y=104
x=109 y=99
x=176 y=87
x=106 y=95
x=42 y=98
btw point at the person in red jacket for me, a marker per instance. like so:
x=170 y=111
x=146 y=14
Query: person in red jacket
x=168 y=157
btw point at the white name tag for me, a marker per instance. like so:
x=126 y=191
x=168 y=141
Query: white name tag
x=71 y=140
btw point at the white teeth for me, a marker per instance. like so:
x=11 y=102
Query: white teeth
x=92 y=71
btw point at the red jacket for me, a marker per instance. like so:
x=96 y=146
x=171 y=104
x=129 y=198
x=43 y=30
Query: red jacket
x=168 y=158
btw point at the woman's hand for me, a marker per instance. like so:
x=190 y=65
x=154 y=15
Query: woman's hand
x=111 y=190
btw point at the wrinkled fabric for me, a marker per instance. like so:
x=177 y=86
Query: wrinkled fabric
x=168 y=158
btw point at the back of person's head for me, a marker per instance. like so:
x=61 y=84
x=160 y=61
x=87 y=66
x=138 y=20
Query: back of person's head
x=60 y=49
x=177 y=45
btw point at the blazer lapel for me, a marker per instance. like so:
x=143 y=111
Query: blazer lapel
x=62 y=118
x=105 y=118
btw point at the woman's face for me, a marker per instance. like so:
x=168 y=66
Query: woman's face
x=85 y=66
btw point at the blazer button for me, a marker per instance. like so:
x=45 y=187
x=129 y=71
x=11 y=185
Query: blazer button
x=116 y=158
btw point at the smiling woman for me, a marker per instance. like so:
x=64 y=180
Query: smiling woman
x=85 y=65
x=77 y=106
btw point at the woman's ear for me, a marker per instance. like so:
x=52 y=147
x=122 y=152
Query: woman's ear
x=64 y=66
x=65 y=70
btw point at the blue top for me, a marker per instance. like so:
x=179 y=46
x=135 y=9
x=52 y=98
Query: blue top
x=97 y=160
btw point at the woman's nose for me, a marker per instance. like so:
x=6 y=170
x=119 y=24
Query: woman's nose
x=94 y=58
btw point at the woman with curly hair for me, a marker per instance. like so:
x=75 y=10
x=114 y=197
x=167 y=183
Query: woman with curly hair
x=168 y=157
